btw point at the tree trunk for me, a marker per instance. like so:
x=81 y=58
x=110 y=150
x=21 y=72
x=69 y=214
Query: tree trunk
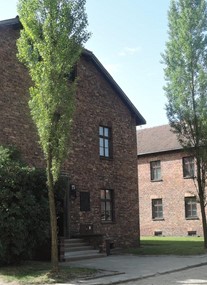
x=53 y=216
x=203 y=214
x=201 y=192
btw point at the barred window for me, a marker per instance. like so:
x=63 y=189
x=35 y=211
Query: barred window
x=157 y=209
x=188 y=167
x=155 y=170
x=107 y=205
x=190 y=208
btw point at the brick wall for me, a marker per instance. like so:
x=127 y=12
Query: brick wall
x=96 y=103
x=16 y=126
x=172 y=189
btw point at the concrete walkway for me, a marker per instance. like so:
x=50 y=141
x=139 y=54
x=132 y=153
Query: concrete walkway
x=122 y=268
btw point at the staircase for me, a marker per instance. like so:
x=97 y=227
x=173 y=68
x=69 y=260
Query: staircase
x=77 y=249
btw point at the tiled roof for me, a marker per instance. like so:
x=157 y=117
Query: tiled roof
x=156 y=139
x=11 y=22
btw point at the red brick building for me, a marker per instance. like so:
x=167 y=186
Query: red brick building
x=167 y=193
x=102 y=165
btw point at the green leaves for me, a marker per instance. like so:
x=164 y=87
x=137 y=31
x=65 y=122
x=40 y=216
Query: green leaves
x=50 y=45
x=24 y=214
x=185 y=60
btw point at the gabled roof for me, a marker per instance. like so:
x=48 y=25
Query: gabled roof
x=14 y=22
x=138 y=117
x=156 y=140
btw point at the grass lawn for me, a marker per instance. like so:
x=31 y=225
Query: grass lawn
x=39 y=273
x=170 y=245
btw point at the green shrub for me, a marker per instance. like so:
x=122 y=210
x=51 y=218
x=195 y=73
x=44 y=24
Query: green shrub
x=24 y=214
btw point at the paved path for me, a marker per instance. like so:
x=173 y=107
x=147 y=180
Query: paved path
x=124 y=268
x=195 y=276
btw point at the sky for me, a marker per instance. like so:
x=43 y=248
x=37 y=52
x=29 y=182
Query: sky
x=128 y=37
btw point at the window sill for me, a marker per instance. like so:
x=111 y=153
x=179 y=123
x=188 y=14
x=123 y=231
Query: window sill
x=192 y=218
x=107 y=222
x=189 y=177
x=158 y=180
x=106 y=158
x=158 y=219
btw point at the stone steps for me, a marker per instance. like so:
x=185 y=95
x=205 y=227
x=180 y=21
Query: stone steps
x=77 y=249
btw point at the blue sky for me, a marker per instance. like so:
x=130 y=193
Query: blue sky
x=128 y=37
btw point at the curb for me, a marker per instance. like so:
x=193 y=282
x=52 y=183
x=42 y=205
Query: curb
x=141 y=277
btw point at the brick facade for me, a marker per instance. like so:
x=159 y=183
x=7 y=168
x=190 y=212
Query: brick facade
x=98 y=102
x=16 y=126
x=172 y=188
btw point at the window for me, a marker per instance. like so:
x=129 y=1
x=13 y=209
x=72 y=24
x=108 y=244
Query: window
x=155 y=170
x=192 y=233
x=157 y=210
x=158 y=233
x=104 y=142
x=107 y=205
x=188 y=167
x=190 y=208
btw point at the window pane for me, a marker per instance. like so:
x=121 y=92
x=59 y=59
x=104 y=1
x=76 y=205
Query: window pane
x=188 y=166
x=103 y=206
x=106 y=152
x=101 y=142
x=102 y=211
x=104 y=142
x=157 y=173
x=108 y=211
x=190 y=207
x=101 y=151
x=106 y=205
x=157 y=209
x=106 y=132
x=108 y=194
x=101 y=131
x=102 y=194
x=155 y=169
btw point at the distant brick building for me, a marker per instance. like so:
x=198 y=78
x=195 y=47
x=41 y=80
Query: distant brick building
x=167 y=193
x=101 y=168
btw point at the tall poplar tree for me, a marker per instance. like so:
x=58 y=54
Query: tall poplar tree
x=50 y=45
x=185 y=60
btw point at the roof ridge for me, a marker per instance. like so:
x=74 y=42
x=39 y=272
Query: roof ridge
x=153 y=127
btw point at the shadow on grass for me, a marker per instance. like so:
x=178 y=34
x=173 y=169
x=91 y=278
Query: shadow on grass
x=40 y=273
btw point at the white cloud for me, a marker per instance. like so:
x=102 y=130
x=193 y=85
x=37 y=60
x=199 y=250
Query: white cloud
x=129 y=51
